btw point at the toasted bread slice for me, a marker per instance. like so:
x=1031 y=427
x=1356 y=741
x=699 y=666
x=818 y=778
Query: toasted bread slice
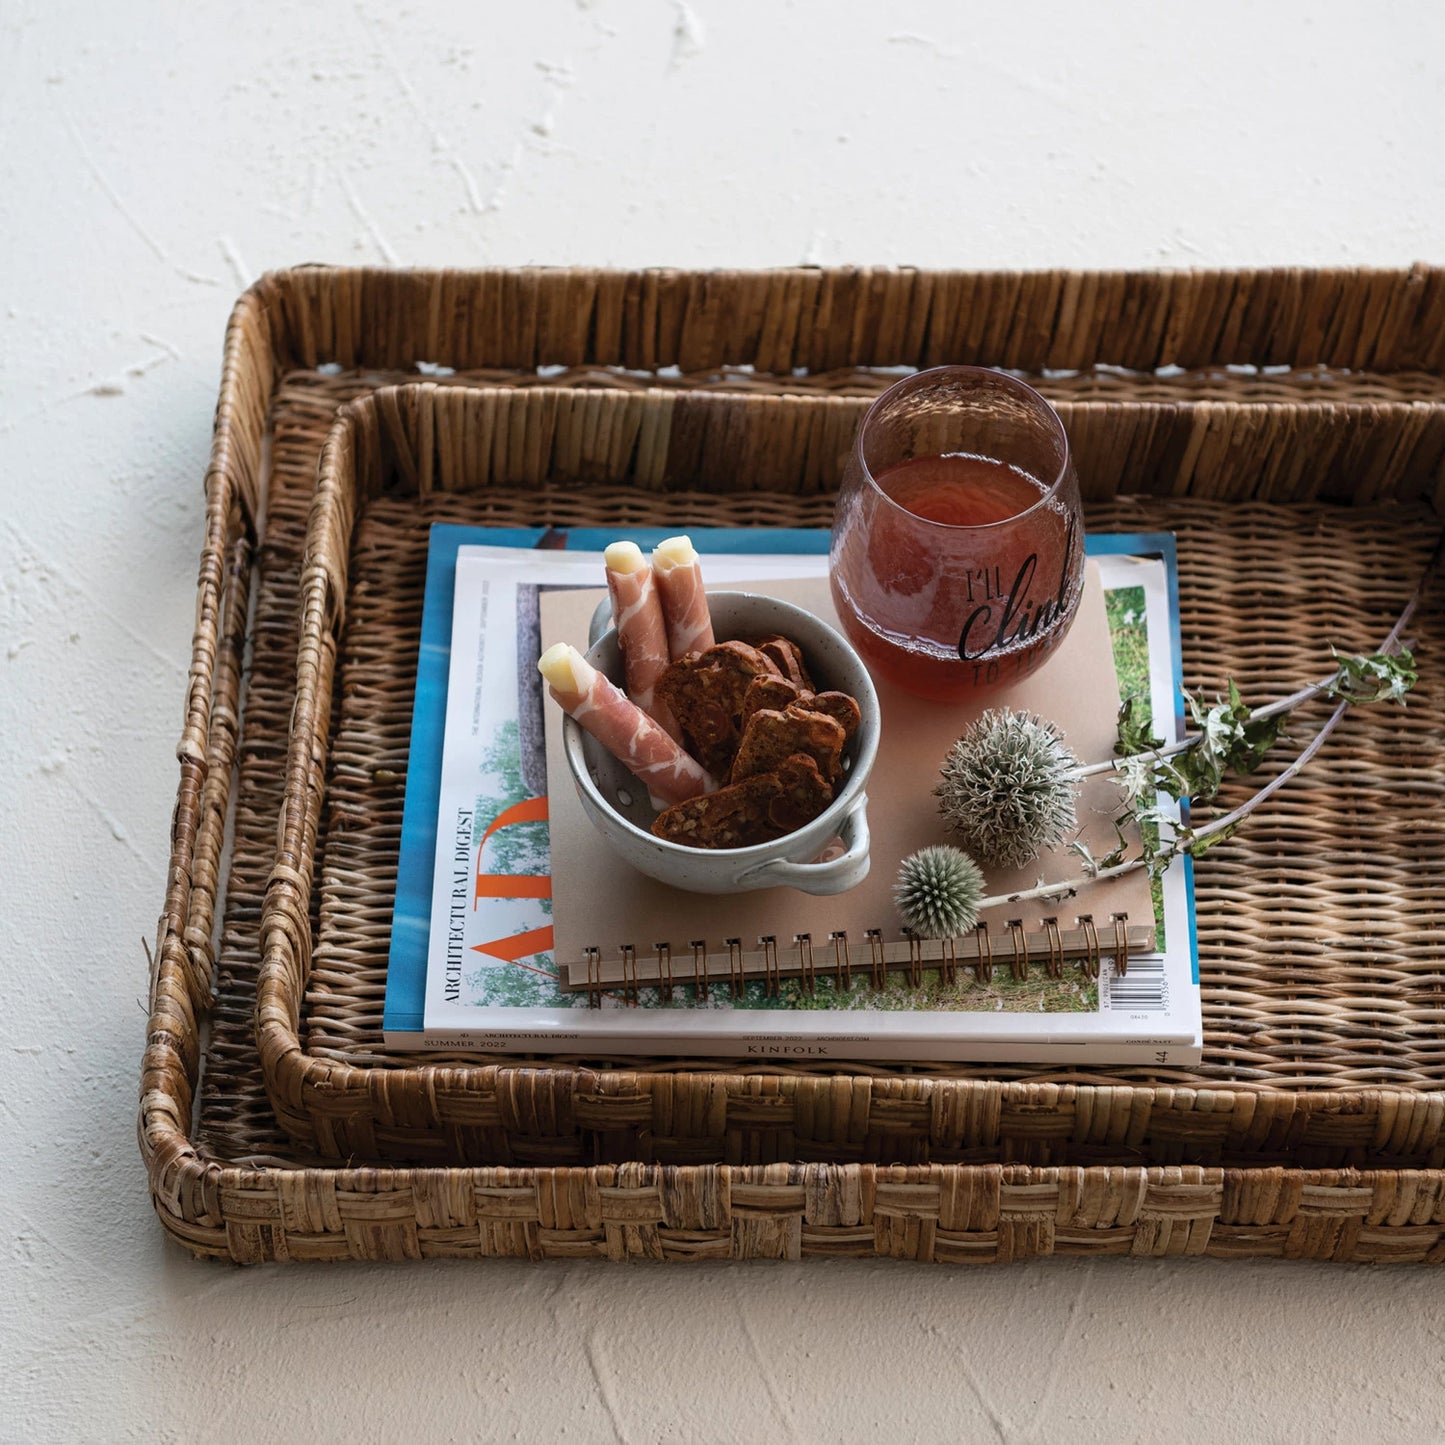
x=839 y=706
x=704 y=691
x=772 y=736
x=756 y=810
x=789 y=659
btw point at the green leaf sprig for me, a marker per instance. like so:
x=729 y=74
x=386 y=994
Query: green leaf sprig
x=1228 y=738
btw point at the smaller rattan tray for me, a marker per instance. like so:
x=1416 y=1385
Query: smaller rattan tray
x=624 y=454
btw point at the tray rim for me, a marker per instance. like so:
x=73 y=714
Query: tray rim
x=935 y=1213
x=184 y=1185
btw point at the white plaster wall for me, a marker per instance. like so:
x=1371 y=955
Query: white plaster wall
x=154 y=158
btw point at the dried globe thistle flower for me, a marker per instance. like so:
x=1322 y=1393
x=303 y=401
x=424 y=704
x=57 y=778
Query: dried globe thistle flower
x=1008 y=787
x=938 y=892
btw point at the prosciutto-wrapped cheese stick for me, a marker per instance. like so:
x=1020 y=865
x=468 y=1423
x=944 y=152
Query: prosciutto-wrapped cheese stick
x=641 y=630
x=622 y=727
x=684 y=603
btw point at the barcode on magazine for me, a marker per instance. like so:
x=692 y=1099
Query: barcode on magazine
x=1141 y=990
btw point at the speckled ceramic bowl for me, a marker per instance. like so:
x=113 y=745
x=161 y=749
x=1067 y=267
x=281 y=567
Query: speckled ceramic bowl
x=808 y=858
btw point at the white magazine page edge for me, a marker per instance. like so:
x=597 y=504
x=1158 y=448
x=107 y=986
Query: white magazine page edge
x=513 y=1024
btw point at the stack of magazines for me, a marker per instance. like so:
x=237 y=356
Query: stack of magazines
x=517 y=930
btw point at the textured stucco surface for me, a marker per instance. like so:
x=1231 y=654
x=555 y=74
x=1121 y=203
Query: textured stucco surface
x=153 y=159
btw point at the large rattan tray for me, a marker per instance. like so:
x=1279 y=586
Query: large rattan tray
x=1349 y=1071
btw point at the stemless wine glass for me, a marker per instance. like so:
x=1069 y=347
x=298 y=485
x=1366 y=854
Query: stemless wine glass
x=957 y=555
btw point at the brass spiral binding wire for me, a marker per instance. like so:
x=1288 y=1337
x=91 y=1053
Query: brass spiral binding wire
x=737 y=974
x=1121 y=943
x=1090 y=961
x=629 y=975
x=915 y=958
x=948 y=962
x=983 y=969
x=806 y=970
x=1055 y=941
x=593 y=957
x=1020 y=942
x=772 y=977
x=878 y=958
x=906 y=958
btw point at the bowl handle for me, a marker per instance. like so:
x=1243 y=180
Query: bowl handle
x=837 y=875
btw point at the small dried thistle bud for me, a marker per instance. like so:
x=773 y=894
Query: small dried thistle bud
x=938 y=892
x=1007 y=788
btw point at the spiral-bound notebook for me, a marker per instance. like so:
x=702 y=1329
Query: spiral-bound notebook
x=581 y=971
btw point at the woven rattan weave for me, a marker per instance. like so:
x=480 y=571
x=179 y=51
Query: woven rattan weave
x=1323 y=962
